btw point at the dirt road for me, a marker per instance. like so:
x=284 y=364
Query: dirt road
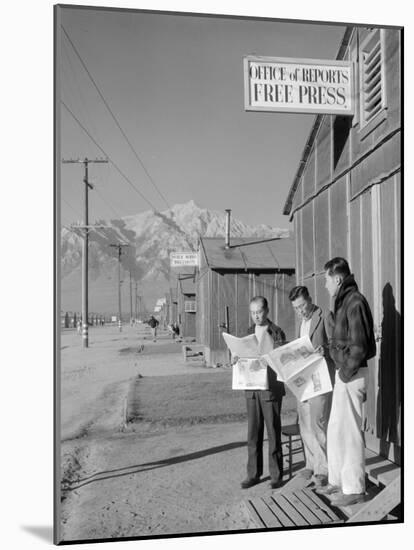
x=145 y=479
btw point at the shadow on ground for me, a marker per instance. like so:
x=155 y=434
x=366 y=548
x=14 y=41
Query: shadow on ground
x=138 y=468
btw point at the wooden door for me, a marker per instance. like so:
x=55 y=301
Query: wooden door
x=375 y=261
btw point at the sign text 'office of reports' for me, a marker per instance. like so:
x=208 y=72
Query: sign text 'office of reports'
x=298 y=85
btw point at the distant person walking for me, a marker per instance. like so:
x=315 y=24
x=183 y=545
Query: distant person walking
x=153 y=324
x=352 y=344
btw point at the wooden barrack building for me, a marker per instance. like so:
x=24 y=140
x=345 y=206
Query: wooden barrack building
x=345 y=200
x=229 y=277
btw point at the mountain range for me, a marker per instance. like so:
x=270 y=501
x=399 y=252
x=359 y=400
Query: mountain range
x=150 y=237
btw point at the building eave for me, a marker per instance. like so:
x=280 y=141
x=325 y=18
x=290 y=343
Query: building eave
x=314 y=130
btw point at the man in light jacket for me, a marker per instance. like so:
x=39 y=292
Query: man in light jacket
x=314 y=413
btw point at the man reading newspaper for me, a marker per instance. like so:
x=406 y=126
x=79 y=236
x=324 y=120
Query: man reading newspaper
x=264 y=406
x=314 y=413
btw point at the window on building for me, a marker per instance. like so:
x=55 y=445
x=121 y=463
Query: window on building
x=372 y=89
x=190 y=306
x=341 y=129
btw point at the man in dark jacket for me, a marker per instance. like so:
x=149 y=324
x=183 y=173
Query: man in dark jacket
x=352 y=344
x=264 y=406
x=314 y=413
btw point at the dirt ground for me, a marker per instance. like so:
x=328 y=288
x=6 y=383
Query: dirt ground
x=144 y=478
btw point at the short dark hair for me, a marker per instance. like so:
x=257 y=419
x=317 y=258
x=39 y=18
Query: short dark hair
x=260 y=299
x=298 y=291
x=337 y=266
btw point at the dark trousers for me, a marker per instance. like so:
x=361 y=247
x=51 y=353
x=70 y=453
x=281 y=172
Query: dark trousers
x=263 y=408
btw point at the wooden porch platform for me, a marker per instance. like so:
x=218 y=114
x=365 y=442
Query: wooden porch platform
x=297 y=504
x=290 y=508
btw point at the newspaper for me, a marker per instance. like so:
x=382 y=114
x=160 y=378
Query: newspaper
x=250 y=372
x=304 y=371
x=247 y=347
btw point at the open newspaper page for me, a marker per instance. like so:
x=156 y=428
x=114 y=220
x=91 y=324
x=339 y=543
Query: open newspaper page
x=248 y=346
x=300 y=368
x=249 y=373
x=291 y=358
x=312 y=380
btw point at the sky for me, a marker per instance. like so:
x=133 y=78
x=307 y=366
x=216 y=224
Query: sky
x=175 y=85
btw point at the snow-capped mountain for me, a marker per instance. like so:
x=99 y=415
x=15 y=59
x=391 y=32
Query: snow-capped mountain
x=151 y=237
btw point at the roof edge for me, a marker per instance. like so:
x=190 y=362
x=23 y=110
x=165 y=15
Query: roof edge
x=309 y=142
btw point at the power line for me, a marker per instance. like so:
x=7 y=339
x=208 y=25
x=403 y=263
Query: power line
x=73 y=83
x=108 y=157
x=114 y=117
x=71 y=207
x=107 y=203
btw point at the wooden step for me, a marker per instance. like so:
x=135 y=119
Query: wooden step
x=379 y=501
x=380 y=469
x=378 y=508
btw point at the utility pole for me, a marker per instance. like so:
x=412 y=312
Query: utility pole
x=85 y=244
x=130 y=297
x=119 y=247
x=136 y=299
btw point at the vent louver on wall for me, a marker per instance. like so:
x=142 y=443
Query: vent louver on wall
x=372 y=81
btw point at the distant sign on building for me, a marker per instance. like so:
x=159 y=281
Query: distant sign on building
x=298 y=85
x=180 y=259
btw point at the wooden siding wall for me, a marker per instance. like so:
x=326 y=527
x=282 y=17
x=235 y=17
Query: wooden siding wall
x=352 y=209
x=217 y=291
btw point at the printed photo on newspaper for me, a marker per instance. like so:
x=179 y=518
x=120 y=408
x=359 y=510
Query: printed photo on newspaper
x=303 y=370
x=250 y=372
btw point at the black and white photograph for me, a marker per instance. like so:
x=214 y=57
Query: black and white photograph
x=203 y=278
x=226 y=186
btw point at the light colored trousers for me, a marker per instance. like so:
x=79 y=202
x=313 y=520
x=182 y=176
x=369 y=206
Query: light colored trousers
x=313 y=422
x=346 y=445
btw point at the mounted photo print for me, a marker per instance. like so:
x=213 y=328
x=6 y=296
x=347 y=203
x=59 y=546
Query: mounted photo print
x=214 y=175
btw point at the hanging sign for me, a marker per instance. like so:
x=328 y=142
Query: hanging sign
x=288 y=85
x=183 y=259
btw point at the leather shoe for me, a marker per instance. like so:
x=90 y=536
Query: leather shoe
x=320 y=480
x=306 y=473
x=276 y=484
x=249 y=482
x=328 y=489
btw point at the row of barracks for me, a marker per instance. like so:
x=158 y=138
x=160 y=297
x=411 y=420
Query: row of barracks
x=215 y=297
